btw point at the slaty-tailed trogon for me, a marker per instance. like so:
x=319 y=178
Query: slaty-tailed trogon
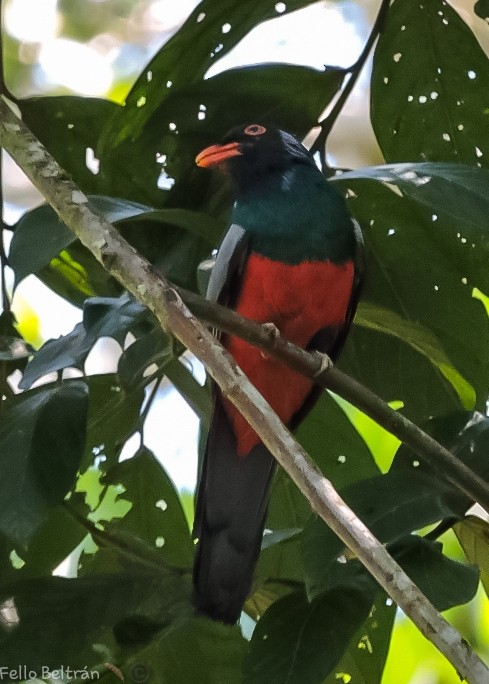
x=289 y=258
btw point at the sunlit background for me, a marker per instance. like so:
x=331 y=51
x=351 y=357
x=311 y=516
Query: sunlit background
x=97 y=48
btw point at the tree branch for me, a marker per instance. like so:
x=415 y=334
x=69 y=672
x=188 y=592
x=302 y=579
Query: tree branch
x=321 y=369
x=139 y=278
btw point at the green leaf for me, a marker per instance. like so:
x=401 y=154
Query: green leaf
x=473 y=536
x=391 y=506
x=456 y=190
x=174 y=240
x=186 y=58
x=314 y=639
x=56 y=537
x=262 y=92
x=56 y=621
x=364 y=660
x=39 y=236
x=102 y=317
x=418 y=338
x=75 y=274
x=42 y=438
x=154 y=347
x=68 y=125
x=340 y=453
x=466 y=435
x=335 y=446
x=217 y=654
x=156 y=514
x=415 y=264
x=445 y=582
x=113 y=416
x=427 y=95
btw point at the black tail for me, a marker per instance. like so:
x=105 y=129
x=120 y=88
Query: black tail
x=230 y=516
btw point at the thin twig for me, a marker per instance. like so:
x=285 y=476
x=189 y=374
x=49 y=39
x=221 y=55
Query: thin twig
x=319 y=145
x=139 y=278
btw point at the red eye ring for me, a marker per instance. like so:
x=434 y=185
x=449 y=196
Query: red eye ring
x=255 y=129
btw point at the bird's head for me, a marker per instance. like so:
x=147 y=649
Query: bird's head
x=253 y=152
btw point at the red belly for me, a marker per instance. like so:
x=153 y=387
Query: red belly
x=300 y=300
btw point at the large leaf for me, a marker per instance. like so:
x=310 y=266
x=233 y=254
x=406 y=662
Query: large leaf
x=68 y=126
x=173 y=239
x=363 y=662
x=56 y=537
x=444 y=581
x=113 y=416
x=56 y=621
x=186 y=57
x=418 y=260
x=102 y=317
x=439 y=111
x=391 y=506
x=156 y=514
x=217 y=654
x=339 y=451
x=42 y=438
x=466 y=435
x=40 y=236
x=297 y=641
x=456 y=190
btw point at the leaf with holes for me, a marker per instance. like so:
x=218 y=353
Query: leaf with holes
x=391 y=505
x=340 y=453
x=466 y=435
x=186 y=58
x=422 y=268
x=428 y=100
x=156 y=514
x=364 y=660
x=113 y=416
x=315 y=637
x=69 y=126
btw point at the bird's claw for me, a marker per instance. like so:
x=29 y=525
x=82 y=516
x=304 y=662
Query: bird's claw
x=272 y=333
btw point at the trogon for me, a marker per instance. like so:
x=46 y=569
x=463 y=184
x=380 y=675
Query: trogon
x=291 y=258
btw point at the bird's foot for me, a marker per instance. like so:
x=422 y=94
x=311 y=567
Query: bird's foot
x=272 y=333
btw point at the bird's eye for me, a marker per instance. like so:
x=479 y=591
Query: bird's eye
x=255 y=129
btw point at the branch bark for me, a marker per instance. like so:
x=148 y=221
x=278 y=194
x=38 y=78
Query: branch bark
x=139 y=278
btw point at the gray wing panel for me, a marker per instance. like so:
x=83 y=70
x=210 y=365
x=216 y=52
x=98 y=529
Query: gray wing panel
x=230 y=261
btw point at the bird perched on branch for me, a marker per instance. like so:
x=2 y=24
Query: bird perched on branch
x=289 y=258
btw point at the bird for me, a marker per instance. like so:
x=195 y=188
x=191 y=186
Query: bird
x=291 y=259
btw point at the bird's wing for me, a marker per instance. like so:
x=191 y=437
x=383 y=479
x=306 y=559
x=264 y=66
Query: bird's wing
x=232 y=491
x=228 y=268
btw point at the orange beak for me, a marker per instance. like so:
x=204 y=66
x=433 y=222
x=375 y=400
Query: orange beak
x=216 y=154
